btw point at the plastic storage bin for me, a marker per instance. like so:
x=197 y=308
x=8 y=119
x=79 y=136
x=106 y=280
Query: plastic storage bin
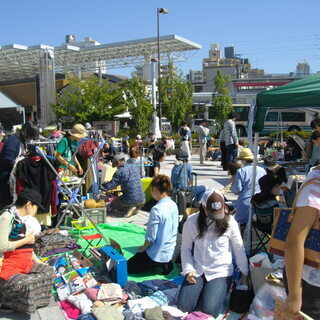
x=98 y=215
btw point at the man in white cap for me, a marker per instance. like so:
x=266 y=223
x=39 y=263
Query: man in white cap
x=138 y=142
x=88 y=126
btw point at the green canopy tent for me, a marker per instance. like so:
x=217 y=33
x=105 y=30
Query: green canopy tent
x=300 y=94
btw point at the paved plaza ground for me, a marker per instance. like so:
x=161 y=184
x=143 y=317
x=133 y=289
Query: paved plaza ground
x=209 y=175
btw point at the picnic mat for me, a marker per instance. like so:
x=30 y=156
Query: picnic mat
x=130 y=237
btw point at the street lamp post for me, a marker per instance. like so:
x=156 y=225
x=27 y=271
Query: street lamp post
x=159 y=11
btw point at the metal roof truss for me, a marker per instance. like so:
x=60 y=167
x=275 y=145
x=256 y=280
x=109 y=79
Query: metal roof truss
x=18 y=61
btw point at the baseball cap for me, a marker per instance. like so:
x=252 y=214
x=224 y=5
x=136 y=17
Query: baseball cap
x=88 y=125
x=213 y=201
x=51 y=127
x=118 y=157
x=31 y=195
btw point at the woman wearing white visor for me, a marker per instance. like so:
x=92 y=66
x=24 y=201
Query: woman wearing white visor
x=209 y=240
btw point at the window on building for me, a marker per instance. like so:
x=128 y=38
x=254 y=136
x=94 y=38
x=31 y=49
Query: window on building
x=198 y=88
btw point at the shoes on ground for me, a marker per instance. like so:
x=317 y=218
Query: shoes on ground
x=131 y=212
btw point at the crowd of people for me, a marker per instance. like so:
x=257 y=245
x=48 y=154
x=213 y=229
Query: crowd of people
x=211 y=238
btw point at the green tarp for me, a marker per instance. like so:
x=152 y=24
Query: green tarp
x=130 y=237
x=304 y=93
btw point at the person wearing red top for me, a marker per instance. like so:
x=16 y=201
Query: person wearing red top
x=25 y=282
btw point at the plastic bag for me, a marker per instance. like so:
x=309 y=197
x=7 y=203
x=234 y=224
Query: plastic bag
x=263 y=305
x=260 y=266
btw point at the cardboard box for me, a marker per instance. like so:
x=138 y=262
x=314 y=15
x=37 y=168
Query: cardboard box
x=190 y=211
x=85 y=263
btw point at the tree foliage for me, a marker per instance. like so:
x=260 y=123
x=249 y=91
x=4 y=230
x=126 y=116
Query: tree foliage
x=176 y=97
x=139 y=105
x=90 y=100
x=221 y=99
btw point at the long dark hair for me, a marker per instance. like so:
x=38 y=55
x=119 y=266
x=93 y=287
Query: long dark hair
x=221 y=225
x=29 y=131
x=158 y=154
x=262 y=197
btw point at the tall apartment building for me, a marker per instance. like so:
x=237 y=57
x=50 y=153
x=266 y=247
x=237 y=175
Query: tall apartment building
x=231 y=64
x=303 y=69
x=229 y=52
x=195 y=76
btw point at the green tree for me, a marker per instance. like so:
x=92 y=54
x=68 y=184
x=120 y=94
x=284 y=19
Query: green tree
x=139 y=105
x=176 y=97
x=90 y=100
x=221 y=99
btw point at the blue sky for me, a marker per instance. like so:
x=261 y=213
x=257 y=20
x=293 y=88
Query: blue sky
x=274 y=34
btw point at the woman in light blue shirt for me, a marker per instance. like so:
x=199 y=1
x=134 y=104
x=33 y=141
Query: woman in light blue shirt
x=157 y=252
x=243 y=186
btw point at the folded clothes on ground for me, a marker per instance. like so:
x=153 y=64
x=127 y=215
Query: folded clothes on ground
x=149 y=286
x=71 y=310
x=153 y=314
x=133 y=290
x=107 y=312
x=81 y=301
x=110 y=292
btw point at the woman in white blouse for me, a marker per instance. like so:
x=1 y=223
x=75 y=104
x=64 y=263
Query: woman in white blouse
x=209 y=239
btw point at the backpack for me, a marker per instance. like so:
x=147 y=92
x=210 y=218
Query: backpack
x=183 y=131
x=86 y=149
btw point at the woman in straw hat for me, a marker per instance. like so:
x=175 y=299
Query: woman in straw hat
x=67 y=147
x=243 y=185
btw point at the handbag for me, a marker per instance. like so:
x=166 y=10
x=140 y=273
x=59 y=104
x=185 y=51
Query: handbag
x=282 y=222
x=240 y=300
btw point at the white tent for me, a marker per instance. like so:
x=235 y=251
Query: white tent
x=5 y=102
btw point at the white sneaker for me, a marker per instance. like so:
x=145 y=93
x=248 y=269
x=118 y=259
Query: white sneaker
x=131 y=212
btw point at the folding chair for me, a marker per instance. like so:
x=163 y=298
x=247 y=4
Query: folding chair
x=90 y=239
x=262 y=226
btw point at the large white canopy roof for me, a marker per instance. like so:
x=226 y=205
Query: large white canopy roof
x=18 y=61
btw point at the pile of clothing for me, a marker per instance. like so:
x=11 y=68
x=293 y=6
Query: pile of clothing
x=49 y=243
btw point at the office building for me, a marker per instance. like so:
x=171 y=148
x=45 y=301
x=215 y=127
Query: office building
x=303 y=69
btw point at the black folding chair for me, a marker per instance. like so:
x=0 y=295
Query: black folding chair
x=262 y=225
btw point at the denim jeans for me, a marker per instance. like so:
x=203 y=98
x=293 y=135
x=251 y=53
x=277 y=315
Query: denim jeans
x=232 y=153
x=197 y=191
x=205 y=296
